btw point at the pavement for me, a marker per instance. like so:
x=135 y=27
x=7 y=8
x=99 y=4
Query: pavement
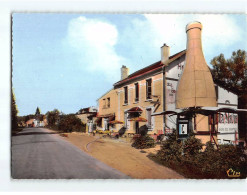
x=38 y=153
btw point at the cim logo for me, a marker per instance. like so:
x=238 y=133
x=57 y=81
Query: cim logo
x=228 y=118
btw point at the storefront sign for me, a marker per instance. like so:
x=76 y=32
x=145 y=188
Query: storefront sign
x=228 y=122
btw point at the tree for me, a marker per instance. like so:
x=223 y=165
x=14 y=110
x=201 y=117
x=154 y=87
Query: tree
x=70 y=122
x=53 y=117
x=14 y=112
x=37 y=111
x=232 y=74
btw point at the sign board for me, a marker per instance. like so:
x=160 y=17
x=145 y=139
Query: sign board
x=228 y=123
x=182 y=126
x=183 y=129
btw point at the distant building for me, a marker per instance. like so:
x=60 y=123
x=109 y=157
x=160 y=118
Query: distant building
x=36 y=123
x=87 y=116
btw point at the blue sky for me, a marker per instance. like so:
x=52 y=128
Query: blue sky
x=67 y=61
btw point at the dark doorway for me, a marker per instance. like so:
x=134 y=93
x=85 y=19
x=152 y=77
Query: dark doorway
x=137 y=127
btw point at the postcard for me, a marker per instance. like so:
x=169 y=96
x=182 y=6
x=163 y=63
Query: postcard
x=128 y=96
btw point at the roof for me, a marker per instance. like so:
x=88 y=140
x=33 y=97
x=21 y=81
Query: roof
x=223 y=85
x=88 y=110
x=150 y=68
x=105 y=93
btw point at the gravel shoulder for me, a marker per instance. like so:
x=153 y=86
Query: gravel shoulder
x=121 y=156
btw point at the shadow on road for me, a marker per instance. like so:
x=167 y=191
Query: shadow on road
x=34 y=133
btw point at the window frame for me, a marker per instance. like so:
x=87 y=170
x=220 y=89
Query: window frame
x=149 y=89
x=108 y=102
x=137 y=92
x=126 y=95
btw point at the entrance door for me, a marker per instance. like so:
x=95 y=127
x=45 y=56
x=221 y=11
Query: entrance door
x=106 y=125
x=90 y=126
x=137 y=127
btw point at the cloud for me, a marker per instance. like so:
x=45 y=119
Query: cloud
x=219 y=31
x=103 y=47
x=95 y=42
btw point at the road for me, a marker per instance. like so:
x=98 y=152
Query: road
x=37 y=153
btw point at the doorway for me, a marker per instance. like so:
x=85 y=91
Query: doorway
x=137 y=127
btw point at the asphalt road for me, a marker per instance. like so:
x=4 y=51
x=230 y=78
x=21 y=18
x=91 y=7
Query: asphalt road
x=37 y=153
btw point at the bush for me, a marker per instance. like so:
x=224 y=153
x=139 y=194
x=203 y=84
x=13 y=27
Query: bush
x=195 y=163
x=171 y=149
x=69 y=123
x=143 y=142
x=192 y=146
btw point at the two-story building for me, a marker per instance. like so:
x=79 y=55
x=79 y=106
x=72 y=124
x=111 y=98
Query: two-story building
x=146 y=101
x=106 y=118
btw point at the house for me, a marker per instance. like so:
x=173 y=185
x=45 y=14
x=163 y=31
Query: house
x=141 y=94
x=145 y=101
x=37 y=122
x=87 y=116
x=107 y=112
x=30 y=123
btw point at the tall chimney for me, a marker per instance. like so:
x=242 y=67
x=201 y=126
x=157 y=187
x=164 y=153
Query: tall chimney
x=165 y=53
x=124 y=72
x=196 y=86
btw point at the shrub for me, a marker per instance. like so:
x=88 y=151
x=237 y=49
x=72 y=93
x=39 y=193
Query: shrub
x=143 y=142
x=192 y=146
x=195 y=163
x=69 y=123
x=171 y=149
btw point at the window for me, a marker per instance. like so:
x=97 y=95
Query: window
x=126 y=95
x=104 y=104
x=108 y=102
x=136 y=92
x=148 y=88
x=149 y=118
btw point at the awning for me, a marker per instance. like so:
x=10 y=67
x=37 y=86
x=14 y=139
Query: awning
x=134 y=109
x=204 y=111
x=224 y=109
x=138 y=119
x=111 y=118
x=164 y=113
x=115 y=122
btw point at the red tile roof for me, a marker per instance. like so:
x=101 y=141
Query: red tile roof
x=150 y=68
